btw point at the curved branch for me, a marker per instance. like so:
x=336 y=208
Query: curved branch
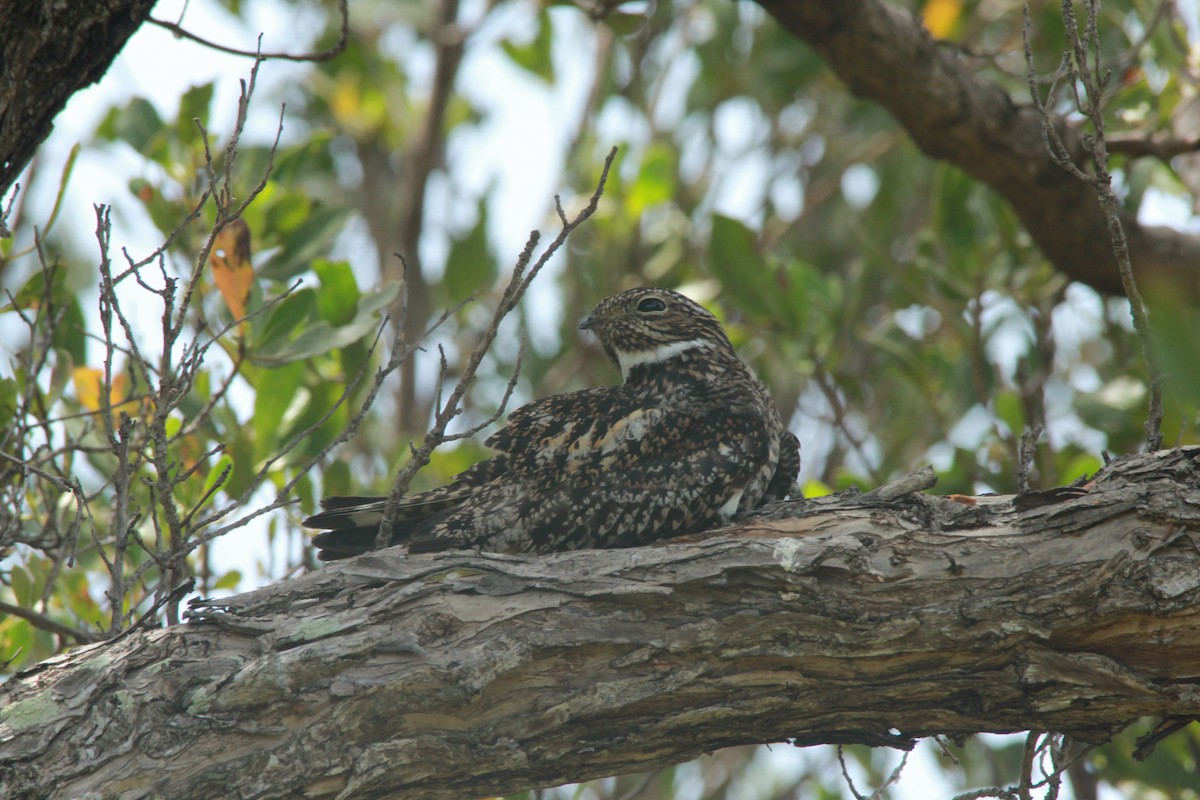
x=328 y=54
x=851 y=619
x=883 y=54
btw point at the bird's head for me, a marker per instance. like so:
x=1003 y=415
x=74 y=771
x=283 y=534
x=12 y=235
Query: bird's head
x=650 y=326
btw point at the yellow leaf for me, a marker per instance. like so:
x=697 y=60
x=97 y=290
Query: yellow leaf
x=118 y=393
x=230 y=262
x=940 y=16
x=88 y=382
x=816 y=488
x=87 y=386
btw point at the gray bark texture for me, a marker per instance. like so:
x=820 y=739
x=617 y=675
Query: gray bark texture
x=48 y=51
x=884 y=54
x=856 y=618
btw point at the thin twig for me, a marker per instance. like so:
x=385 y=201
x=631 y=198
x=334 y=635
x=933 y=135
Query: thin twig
x=1091 y=80
x=991 y=791
x=401 y=351
x=1027 y=757
x=45 y=623
x=846 y=775
x=518 y=283
x=58 y=482
x=322 y=55
x=1141 y=147
x=1026 y=453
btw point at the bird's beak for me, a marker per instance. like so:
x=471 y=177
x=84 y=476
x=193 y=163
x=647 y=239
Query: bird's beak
x=587 y=324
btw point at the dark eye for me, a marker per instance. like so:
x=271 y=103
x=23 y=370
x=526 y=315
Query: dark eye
x=651 y=304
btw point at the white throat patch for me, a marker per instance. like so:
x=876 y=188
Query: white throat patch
x=627 y=361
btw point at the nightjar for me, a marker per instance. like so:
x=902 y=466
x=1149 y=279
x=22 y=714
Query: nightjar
x=688 y=441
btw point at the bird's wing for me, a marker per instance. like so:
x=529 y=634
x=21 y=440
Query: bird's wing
x=560 y=423
x=544 y=434
x=616 y=481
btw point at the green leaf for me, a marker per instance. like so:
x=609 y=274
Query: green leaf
x=305 y=243
x=321 y=337
x=69 y=330
x=229 y=581
x=655 y=182
x=1007 y=407
x=1176 y=331
x=470 y=266
x=63 y=180
x=8 y=401
x=337 y=479
x=624 y=24
x=338 y=296
x=218 y=474
x=34 y=294
x=283 y=319
x=22 y=586
x=744 y=275
x=194 y=105
x=1080 y=465
x=138 y=125
x=274 y=391
x=534 y=56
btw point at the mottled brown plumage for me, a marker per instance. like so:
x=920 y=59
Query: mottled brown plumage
x=688 y=441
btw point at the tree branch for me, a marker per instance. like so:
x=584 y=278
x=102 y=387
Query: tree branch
x=883 y=54
x=844 y=619
x=51 y=50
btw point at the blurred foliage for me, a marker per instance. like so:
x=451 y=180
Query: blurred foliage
x=896 y=308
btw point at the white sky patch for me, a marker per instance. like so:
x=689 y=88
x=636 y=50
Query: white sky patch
x=1160 y=208
x=860 y=184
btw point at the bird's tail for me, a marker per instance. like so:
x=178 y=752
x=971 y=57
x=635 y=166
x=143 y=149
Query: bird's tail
x=350 y=525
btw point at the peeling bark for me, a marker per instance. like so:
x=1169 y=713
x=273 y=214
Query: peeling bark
x=49 y=51
x=882 y=53
x=846 y=619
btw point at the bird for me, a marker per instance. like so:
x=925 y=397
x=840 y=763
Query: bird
x=689 y=440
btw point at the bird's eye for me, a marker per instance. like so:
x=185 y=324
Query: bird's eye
x=651 y=304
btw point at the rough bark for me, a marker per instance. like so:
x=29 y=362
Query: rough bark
x=850 y=619
x=48 y=51
x=883 y=54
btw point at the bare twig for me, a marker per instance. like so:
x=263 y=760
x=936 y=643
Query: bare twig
x=1027 y=757
x=321 y=55
x=523 y=273
x=4 y=215
x=1026 y=452
x=401 y=351
x=58 y=482
x=1147 y=743
x=991 y=791
x=846 y=776
x=1087 y=83
x=892 y=778
x=1141 y=147
x=45 y=623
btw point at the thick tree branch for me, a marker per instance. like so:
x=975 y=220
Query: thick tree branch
x=883 y=54
x=49 y=52
x=850 y=619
